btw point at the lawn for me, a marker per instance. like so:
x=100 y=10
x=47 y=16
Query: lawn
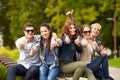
x=114 y=62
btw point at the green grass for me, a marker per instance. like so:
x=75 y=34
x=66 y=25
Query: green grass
x=114 y=62
x=3 y=72
x=13 y=54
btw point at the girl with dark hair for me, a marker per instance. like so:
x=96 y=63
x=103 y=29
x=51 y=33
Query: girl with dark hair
x=49 y=45
x=49 y=69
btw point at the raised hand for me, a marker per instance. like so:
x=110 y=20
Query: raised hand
x=32 y=51
x=84 y=42
x=67 y=39
x=77 y=41
x=53 y=43
x=22 y=43
x=103 y=52
x=69 y=14
x=58 y=41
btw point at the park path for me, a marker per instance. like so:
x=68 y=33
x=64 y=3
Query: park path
x=115 y=73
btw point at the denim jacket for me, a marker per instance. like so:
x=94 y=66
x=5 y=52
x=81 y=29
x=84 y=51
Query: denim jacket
x=68 y=51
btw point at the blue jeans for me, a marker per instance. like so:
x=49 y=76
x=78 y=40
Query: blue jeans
x=48 y=74
x=20 y=70
x=99 y=66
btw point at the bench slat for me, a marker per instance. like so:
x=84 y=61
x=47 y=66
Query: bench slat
x=7 y=62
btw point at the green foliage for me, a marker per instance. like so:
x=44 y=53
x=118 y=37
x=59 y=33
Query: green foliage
x=56 y=10
x=14 y=14
x=11 y=53
x=23 y=11
x=3 y=72
x=18 y=14
x=115 y=62
x=117 y=11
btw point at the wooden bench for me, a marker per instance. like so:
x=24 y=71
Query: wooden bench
x=7 y=62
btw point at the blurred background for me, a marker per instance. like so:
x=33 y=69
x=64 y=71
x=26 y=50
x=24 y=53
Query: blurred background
x=13 y=15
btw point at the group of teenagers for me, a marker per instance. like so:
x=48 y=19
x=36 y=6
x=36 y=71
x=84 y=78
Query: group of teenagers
x=47 y=56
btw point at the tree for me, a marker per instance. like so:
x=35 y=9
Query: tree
x=4 y=23
x=83 y=12
x=24 y=11
x=15 y=13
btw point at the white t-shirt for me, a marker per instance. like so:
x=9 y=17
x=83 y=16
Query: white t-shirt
x=24 y=57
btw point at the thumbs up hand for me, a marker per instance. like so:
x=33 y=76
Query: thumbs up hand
x=84 y=42
x=67 y=39
x=77 y=41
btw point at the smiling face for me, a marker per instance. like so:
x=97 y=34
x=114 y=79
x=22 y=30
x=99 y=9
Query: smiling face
x=44 y=32
x=86 y=32
x=29 y=32
x=72 y=30
x=95 y=31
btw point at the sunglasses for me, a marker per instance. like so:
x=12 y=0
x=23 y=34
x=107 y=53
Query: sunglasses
x=85 y=32
x=32 y=30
